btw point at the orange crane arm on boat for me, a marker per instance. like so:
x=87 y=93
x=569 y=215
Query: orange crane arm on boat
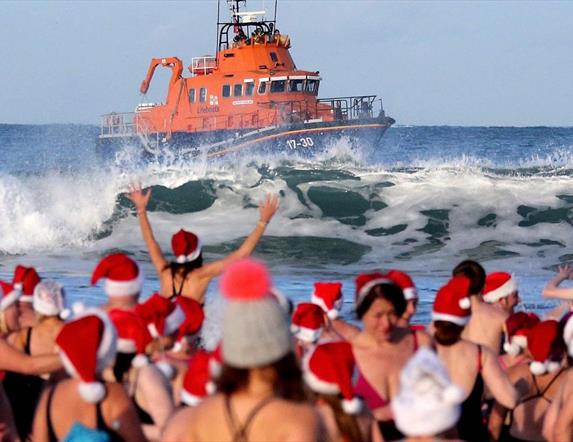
x=174 y=63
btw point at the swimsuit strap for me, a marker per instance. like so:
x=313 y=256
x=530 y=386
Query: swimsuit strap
x=541 y=393
x=175 y=292
x=27 y=345
x=51 y=434
x=479 y=363
x=415 y=339
x=240 y=431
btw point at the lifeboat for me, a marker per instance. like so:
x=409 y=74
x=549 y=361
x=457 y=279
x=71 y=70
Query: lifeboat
x=250 y=95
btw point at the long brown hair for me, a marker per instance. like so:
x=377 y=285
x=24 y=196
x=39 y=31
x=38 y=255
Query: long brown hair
x=347 y=424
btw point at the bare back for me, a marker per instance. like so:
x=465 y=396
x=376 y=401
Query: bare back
x=485 y=326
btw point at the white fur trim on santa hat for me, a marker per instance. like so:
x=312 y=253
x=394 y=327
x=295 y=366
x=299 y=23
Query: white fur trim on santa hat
x=306 y=334
x=152 y=330
x=333 y=312
x=126 y=346
x=92 y=392
x=190 y=399
x=139 y=361
x=26 y=298
x=316 y=384
x=516 y=346
x=124 y=288
x=368 y=286
x=410 y=293
x=351 y=406
x=10 y=299
x=181 y=259
x=502 y=291
x=450 y=318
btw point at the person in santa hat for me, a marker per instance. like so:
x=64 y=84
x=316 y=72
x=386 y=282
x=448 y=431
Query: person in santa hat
x=328 y=296
x=260 y=394
x=501 y=290
x=149 y=390
x=25 y=280
x=516 y=328
x=486 y=324
x=187 y=275
x=9 y=309
x=539 y=383
x=405 y=282
x=328 y=370
x=307 y=326
x=382 y=348
x=84 y=407
x=123 y=281
x=24 y=390
x=469 y=365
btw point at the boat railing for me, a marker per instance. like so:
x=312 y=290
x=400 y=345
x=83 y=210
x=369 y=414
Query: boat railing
x=203 y=65
x=353 y=108
x=117 y=124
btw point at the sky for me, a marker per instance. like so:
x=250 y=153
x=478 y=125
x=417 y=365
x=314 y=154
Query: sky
x=468 y=63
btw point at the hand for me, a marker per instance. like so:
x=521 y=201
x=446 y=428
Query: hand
x=566 y=271
x=269 y=207
x=139 y=197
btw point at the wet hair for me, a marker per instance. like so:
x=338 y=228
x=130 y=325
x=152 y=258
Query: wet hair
x=347 y=424
x=288 y=382
x=122 y=365
x=474 y=272
x=447 y=333
x=185 y=267
x=387 y=291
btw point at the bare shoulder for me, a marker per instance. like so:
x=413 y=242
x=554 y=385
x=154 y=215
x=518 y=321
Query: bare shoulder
x=178 y=427
x=518 y=372
x=423 y=338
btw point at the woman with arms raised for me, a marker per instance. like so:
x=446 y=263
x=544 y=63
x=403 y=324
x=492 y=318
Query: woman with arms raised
x=188 y=276
x=260 y=392
x=382 y=348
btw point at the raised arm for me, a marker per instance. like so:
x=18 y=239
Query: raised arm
x=13 y=360
x=497 y=380
x=266 y=211
x=140 y=198
x=552 y=289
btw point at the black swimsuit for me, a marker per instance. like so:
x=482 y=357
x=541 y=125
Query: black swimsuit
x=100 y=422
x=240 y=431
x=23 y=392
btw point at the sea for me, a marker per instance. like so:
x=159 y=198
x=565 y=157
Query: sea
x=422 y=200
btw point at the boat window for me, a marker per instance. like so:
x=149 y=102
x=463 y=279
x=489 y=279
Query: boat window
x=262 y=87
x=191 y=96
x=202 y=94
x=226 y=90
x=249 y=88
x=278 y=86
x=312 y=86
x=274 y=57
x=296 y=85
x=238 y=90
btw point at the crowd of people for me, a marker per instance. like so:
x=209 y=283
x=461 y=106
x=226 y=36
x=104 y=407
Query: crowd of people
x=135 y=368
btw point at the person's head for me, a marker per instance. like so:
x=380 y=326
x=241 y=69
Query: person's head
x=328 y=295
x=256 y=338
x=405 y=282
x=379 y=304
x=428 y=404
x=474 y=272
x=48 y=298
x=517 y=326
x=501 y=289
x=87 y=345
x=546 y=347
x=9 y=307
x=123 y=278
x=187 y=249
x=307 y=322
x=25 y=279
x=452 y=310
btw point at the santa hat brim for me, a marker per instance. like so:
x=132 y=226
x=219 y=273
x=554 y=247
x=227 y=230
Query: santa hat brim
x=458 y=320
x=9 y=299
x=306 y=334
x=182 y=259
x=504 y=290
x=124 y=288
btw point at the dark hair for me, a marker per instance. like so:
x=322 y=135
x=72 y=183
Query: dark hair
x=474 y=272
x=387 y=291
x=288 y=383
x=122 y=365
x=347 y=424
x=186 y=267
x=447 y=333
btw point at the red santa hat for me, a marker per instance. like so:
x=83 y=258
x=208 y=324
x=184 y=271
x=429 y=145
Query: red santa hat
x=546 y=347
x=366 y=282
x=121 y=273
x=154 y=311
x=452 y=303
x=25 y=280
x=405 y=282
x=197 y=383
x=186 y=246
x=328 y=368
x=498 y=285
x=9 y=295
x=328 y=295
x=132 y=335
x=87 y=345
x=307 y=322
x=516 y=325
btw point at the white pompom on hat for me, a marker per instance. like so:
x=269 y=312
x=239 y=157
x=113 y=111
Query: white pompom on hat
x=87 y=345
x=328 y=368
x=546 y=347
x=405 y=282
x=121 y=273
x=427 y=403
x=328 y=296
